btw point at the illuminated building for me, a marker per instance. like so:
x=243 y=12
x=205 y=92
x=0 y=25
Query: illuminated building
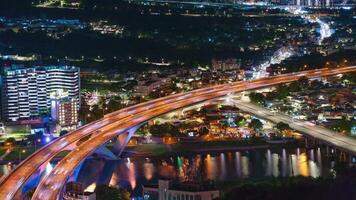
x=167 y=190
x=75 y=191
x=64 y=110
x=26 y=91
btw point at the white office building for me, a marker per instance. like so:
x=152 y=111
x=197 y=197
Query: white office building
x=26 y=92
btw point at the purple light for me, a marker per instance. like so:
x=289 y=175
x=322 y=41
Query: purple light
x=48 y=139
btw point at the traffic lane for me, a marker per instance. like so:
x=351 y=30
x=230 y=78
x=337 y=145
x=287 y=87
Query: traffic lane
x=109 y=134
x=302 y=126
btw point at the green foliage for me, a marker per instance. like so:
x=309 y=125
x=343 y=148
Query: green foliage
x=349 y=78
x=282 y=92
x=295 y=87
x=344 y=125
x=303 y=82
x=256 y=124
x=257 y=97
x=104 y=192
x=281 y=126
x=240 y=121
x=204 y=130
x=63 y=132
x=11 y=141
x=164 y=130
x=30 y=193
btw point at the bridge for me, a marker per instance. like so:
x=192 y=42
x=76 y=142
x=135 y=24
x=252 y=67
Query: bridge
x=123 y=123
x=325 y=135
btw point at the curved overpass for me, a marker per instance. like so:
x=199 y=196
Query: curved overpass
x=120 y=122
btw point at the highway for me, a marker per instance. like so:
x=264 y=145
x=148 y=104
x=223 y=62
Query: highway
x=119 y=122
x=318 y=132
x=52 y=185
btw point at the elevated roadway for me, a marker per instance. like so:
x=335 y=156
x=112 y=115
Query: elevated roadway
x=326 y=135
x=121 y=122
x=53 y=184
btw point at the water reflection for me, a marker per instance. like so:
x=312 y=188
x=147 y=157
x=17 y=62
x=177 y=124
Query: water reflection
x=223 y=166
x=148 y=170
x=134 y=172
x=275 y=164
x=245 y=166
x=319 y=157
x=238 y=163
x=303 y=164
x=131 y=174
x=269 y=163
x=284 y=163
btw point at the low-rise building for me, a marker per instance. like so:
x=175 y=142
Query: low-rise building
x=168 y=190
x=144 y=87
x=75 y=191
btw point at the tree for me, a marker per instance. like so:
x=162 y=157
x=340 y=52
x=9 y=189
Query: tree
x=96 y=113
x=282 y=92
x=113 y=105
x=164 y=129
x=256 y=124
x=344 y=125
x=63 y=132
x=10 y=141
x=104 y=192
x=204 y=130
x=315 y=84
x=281 y=126
x=240 y=121
x=303 y=82
x=257 y=97
x=294 y=87
x=30 y=193
x=349 y=78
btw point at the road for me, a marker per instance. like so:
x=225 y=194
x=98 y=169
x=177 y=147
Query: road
x=118 y=122
x=53 y=183
x=315 y=131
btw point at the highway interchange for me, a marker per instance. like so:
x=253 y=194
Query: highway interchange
x=120 y=122
x=328 y=136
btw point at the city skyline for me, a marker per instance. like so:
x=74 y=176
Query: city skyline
x=177 y=100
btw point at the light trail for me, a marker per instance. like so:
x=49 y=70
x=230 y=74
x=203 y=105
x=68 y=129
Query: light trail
x=287 y=51
x=325 y=30
x=279 y=56
x=51 y=185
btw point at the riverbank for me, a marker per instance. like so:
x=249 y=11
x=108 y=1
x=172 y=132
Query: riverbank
x=18 y=154
x=337 y=185
x=199 y=146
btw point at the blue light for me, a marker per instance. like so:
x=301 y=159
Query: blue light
x=48 y=139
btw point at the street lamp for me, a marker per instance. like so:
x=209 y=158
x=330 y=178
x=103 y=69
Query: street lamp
x=23 y=151
x=38 y=141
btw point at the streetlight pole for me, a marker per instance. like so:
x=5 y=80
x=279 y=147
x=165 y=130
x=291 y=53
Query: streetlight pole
x=38 y=140
x=23 y=151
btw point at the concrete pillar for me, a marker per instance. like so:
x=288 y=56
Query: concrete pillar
x=105 y=152
x=310 y=142
x=123 y=139
x=327 y=150
x=352 y=159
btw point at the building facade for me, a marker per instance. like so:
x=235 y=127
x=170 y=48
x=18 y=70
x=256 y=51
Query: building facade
x=168 y=191
x=64 y=111
x=26 y=92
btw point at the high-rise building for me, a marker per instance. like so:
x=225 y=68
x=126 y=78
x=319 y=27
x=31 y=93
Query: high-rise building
x=64 y=111
x=26 y=91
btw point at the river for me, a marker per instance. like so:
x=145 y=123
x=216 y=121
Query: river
x=133 y=172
